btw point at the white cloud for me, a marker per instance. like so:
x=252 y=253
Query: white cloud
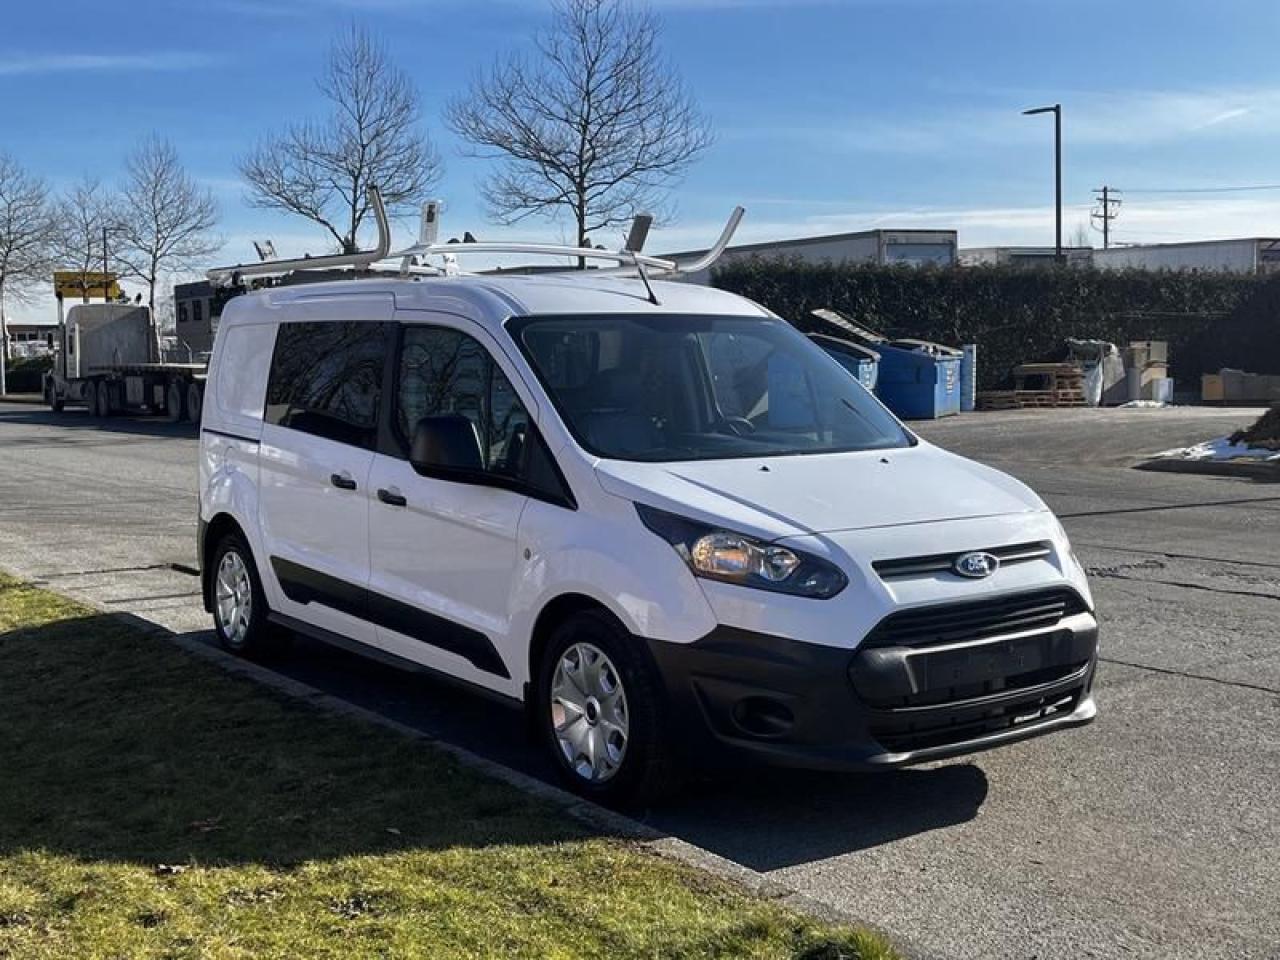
x=16 y=65
x=1129 y=119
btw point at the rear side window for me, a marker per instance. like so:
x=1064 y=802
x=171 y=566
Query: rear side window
x=326 y=380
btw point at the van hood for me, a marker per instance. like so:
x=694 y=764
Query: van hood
x=776 y=497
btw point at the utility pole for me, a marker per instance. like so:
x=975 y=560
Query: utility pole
x=1107 y=210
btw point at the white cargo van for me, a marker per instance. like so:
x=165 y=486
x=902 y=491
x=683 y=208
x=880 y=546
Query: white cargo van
x=654 y=513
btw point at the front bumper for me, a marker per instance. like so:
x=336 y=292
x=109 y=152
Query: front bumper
x=735 y=695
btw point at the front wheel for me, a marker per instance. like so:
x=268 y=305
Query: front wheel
x=599 y=713
x=239 y=603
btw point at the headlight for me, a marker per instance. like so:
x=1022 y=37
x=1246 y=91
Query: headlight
x=736 y=558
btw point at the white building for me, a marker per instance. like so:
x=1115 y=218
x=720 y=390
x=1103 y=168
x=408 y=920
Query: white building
x=1249 y=255
x=1023 y=256
x=912 y=247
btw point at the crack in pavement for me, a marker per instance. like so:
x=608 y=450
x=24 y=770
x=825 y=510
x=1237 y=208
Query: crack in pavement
x=1105 y=573
x=1192 y=676
x=1175 y=556
x=1167 y=506
x=145 y=568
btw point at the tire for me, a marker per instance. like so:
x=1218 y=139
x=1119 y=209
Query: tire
x=104 y=398
x=51 y=397
x=91 y=399
x=195 y=402
x=175 y=402
x=244 y=632
x=643 y=771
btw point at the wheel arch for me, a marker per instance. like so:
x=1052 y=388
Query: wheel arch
x=218 y=527
x=553 y=613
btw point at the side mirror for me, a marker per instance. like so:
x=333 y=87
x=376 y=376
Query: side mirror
x=447 y=443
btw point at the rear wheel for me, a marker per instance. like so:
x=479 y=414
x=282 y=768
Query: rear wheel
x=599 y=713
x=239 y=604
x=174 y=399
x=104 y=398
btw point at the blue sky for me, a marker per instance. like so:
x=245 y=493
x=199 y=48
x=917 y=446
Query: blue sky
x=830 y=115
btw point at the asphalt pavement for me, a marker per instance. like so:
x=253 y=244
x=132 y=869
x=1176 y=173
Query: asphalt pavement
x=1153 y=832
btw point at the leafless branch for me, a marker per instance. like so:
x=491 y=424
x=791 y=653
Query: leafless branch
x=26 y=235
x=597 y=123
x=164 y=219
x=321 y=171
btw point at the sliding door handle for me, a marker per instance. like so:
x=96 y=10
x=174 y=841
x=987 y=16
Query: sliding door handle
x=342 y=480
x=392 y=498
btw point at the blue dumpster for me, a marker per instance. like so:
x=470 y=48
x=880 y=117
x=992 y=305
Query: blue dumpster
x=916 y=379
x=862 y=362
x=920 y=380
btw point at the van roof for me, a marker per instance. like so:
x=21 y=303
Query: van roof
x=490 y=298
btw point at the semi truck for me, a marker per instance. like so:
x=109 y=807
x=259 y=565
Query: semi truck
x=104 y=358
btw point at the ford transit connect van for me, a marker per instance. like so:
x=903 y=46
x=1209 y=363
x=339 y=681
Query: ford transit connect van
x=677 y=531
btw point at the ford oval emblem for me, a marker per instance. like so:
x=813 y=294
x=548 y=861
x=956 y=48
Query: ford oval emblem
x=976 y=566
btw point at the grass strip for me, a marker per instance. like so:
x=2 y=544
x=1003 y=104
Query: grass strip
x=152 y=805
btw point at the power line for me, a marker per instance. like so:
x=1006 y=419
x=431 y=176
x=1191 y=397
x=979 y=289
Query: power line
x=1240 y=189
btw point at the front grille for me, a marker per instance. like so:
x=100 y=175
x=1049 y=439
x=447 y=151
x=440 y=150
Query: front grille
x=902 y=568
x=901 y=735
x=975 y=619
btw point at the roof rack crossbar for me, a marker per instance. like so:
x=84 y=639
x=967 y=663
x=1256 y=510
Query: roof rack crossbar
x=221 y=276
x=538 y=249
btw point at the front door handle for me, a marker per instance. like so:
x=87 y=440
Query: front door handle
x=392 y=498
x=342 y=481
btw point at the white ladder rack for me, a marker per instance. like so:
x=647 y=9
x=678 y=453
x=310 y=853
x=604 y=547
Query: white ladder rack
x=627 y=262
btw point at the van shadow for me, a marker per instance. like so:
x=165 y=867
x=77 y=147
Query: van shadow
x=117 y=745
x=768 y=821
x=761 y=819
x=78 y=424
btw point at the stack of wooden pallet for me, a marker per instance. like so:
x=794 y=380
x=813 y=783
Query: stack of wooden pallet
x=1038 y=385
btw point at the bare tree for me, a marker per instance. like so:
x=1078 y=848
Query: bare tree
x=26 y=230
x=165 y=219
x=598 y=123
x=81 y=214
x=321 y=171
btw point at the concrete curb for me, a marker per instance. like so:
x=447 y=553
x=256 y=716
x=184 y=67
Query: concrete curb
x=593 y=815
x=1262 y=472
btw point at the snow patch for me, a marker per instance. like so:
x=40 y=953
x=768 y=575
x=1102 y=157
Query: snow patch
x=1220 y=450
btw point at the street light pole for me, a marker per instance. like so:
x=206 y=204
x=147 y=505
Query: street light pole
x=1056 y=110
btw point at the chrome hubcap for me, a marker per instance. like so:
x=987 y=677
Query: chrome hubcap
x=589 y=712
x=233 y=597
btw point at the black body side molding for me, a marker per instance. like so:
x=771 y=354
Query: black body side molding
x=304 y=585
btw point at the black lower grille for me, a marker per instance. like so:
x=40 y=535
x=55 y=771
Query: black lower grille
x=902 y=735
x=975 y=619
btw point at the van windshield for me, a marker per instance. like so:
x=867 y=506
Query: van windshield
x=672 y=387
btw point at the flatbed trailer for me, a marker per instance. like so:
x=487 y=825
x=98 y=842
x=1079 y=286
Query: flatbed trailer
x=97 y=333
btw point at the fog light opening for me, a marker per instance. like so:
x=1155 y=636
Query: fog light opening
x=763 y=717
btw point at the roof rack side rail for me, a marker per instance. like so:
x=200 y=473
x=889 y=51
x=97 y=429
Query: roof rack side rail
x=717 y=250
x=223 y=276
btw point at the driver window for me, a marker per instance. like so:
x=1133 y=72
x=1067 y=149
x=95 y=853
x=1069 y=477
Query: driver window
x=445 y=371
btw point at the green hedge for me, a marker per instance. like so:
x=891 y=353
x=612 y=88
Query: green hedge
x=27 y=375
x=1018 y=314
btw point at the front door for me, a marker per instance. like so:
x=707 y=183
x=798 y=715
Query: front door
x=444 y=552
